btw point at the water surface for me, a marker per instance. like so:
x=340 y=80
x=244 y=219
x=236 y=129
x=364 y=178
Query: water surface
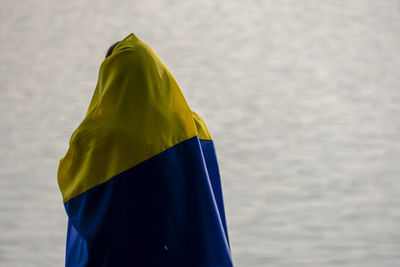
x=302 y=99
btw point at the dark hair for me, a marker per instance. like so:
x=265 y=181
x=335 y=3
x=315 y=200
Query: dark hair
x=111 y=49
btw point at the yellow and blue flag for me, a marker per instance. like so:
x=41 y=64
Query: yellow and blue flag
x=140 y=180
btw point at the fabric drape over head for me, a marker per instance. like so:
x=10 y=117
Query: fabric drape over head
x=140 y=180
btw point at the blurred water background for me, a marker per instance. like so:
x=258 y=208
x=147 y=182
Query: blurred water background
x=302 y=99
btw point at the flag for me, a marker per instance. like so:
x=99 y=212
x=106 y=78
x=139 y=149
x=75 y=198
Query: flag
x=140 y=180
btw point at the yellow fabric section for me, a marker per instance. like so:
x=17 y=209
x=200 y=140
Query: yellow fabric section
x=202 y=130
x=136 y=112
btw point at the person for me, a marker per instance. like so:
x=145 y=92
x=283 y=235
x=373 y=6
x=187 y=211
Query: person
x=109 y=51
x=140 y=180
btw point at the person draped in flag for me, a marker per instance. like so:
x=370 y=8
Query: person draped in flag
x=140 y=180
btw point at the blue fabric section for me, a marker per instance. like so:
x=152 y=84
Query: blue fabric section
x=166 y=211
x=76 y=248
x=213 y=172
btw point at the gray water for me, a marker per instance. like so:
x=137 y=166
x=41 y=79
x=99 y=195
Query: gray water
x=302 y=99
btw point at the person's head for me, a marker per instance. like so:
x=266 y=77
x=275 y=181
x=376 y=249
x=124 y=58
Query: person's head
x=111 y=49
